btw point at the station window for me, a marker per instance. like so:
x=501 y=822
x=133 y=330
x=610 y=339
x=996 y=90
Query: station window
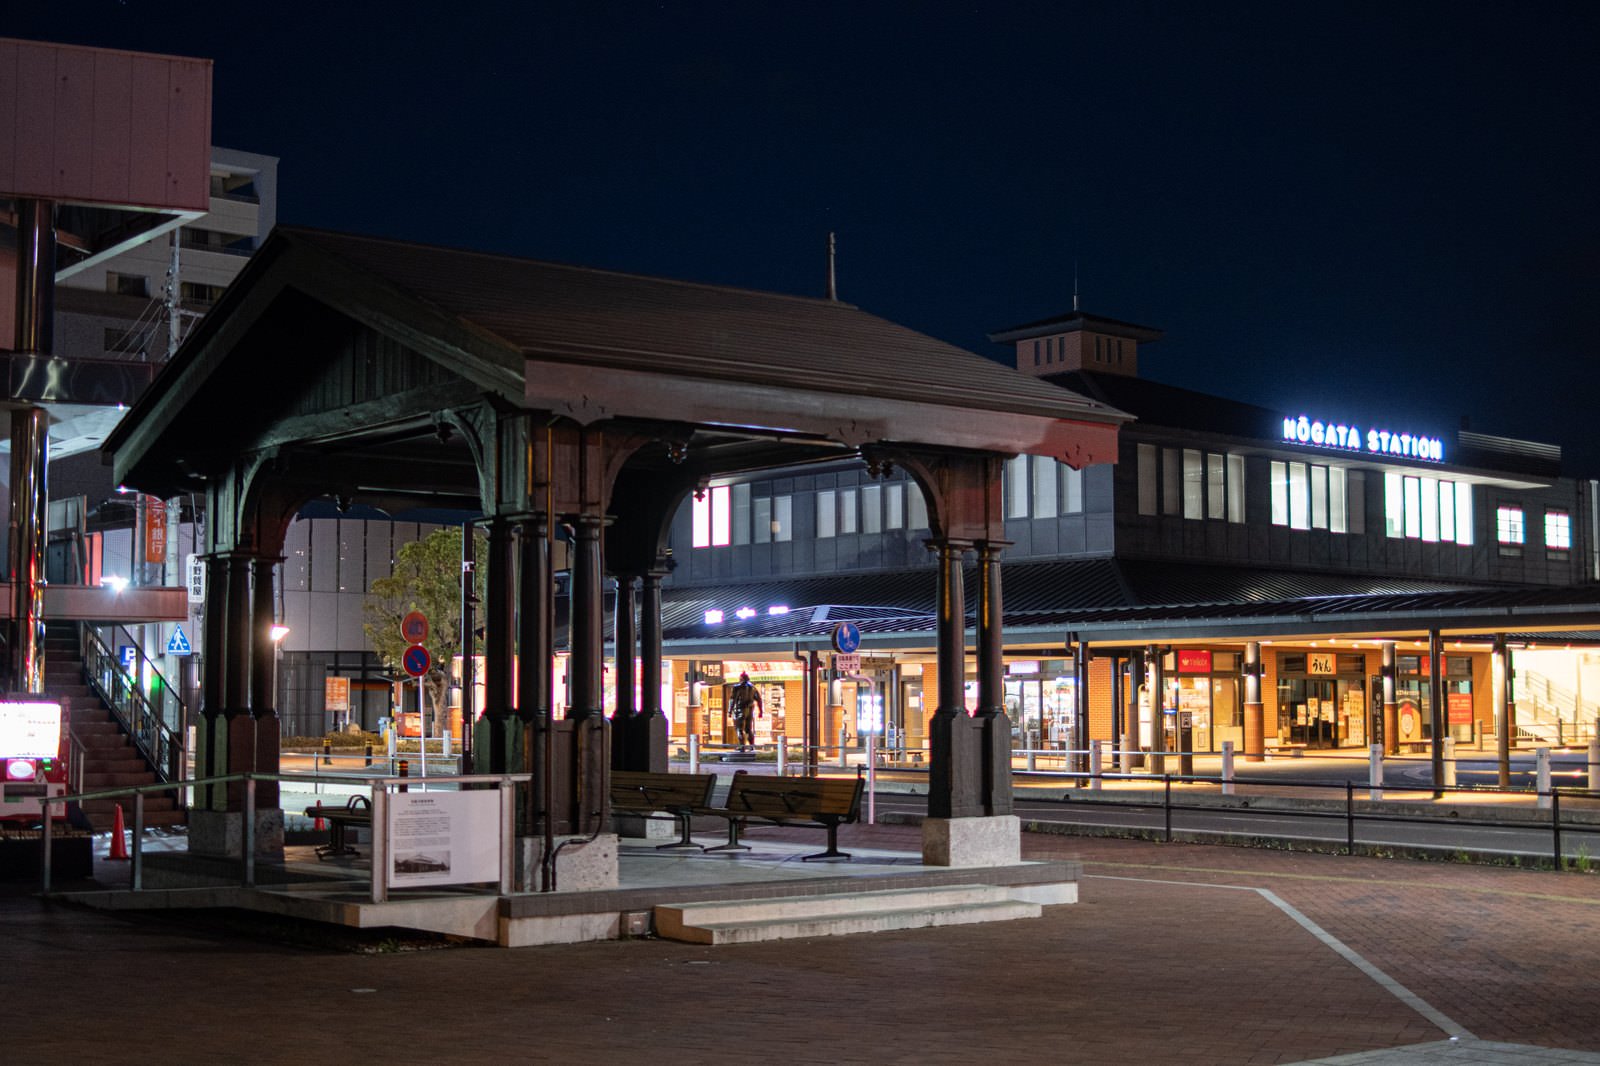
x=894 y=506
x=918 y=505
x=712 y=526
x=1312 y=496
x=871 y=509
x=1045 y=484
x=847 y=512
x=827 y=517
x=761 y=520
x=1148 y=483
x=1508 y=526
x=1426 y=508
x=1071 y=489
x=782 y=518
x=1558 y=531
x=1014 y=485
x=741 y=513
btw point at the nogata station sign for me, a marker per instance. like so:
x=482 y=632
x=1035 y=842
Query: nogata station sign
x=1348 y=437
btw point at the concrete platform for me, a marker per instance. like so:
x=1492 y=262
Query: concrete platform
x=338 y=892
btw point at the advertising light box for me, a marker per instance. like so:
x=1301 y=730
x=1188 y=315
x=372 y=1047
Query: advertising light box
x=29 y=730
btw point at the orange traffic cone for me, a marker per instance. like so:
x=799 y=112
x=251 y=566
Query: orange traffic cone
x=319 y=825
x=119 y=846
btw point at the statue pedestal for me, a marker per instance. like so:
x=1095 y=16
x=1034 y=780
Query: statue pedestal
x=990 y=841
x=221 y=833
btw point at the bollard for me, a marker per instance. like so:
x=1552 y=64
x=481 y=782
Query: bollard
x=445 y=740
x=872 y=780
x=783 y=753
x=1033 y=758
x=327 y=753
x=1227 y=767
x=1542 y=757
x=1095 y=759
x=1449 y=746
x=369 y=754
x=694 y=753
x=405 y=771
x=844 y=760
x=1594 y=764
x=1375 y=772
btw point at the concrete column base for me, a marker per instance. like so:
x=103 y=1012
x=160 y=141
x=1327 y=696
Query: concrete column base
x=990 y=841
x=638 y=827
x=582 y=865
x=221 y=833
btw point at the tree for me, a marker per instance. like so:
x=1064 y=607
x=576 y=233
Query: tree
x=427 y=578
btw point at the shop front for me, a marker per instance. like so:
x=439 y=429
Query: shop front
x=1322 y=699
x=1040 y=700
x=1204 y=687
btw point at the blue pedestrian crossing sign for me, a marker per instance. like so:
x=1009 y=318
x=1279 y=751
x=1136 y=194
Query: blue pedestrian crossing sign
x=178 y=643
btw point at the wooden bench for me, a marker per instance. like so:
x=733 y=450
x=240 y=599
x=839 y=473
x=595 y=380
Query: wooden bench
x=680 y=796
x=824 y=802
x=356 y=812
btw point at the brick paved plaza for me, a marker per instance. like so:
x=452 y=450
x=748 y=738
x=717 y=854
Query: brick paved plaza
x=1154 y=965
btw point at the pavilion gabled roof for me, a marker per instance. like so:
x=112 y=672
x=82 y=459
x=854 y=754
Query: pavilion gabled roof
x=549 y=336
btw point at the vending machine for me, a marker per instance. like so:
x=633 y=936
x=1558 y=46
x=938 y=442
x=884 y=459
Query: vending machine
x=33 y=757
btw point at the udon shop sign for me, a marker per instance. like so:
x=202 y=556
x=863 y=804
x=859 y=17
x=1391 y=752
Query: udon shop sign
x=1369 y=441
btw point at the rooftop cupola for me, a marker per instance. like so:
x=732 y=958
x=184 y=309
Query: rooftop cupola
x=1077 y=341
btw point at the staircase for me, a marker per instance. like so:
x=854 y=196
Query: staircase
x=110 y=760
x=747 y=921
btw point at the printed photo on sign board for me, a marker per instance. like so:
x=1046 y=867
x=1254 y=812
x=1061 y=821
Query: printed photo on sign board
x=444 y=838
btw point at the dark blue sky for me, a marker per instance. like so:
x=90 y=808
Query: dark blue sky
x=1388 y=210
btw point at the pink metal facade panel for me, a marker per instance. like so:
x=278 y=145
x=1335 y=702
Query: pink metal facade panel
x=93 y=125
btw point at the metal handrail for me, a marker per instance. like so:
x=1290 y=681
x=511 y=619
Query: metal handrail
x=152 y=714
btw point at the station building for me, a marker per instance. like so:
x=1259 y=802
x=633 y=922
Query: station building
x=1229 y=543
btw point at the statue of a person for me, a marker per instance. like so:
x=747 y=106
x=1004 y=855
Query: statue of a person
x=744 y=703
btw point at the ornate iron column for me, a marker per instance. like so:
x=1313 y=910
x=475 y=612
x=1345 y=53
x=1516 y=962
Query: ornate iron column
x=996 y=724
x=624 y=641
x=263 y=680
x=955 y=773
x=499 y=649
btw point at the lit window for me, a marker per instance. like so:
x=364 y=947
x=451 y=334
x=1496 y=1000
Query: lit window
x=1014 y=484
x=1235 y=488
x=782 y=518
x=1216 y=486
x=1280 y=493
x=871 y=508
x=1338 y=514
x=1463 y=513
x=1413 y=496
x=1072 y=489
x=1429 y=489
x=847 y=511
x=1394 y=506
x=1044 y=487
x=1557 y=530
x=1299 y=512
x=1194 y=485
x=711 y=519
x=1319 y=497
x=1508 y=525
x=894 y=506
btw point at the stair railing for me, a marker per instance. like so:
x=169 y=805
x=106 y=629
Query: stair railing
x=140 y=697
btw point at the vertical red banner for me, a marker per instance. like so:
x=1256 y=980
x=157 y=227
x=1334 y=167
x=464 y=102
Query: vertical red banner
x=155 y=530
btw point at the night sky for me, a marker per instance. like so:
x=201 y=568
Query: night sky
x=1378 y=212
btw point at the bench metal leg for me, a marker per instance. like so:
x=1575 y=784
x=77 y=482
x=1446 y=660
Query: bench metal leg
x=683 y=840
x=733 y=838
x=833 y=851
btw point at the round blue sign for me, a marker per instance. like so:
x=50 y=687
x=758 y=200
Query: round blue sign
x=846 y=637
x=416 y=660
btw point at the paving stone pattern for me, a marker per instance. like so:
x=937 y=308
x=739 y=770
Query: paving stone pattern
x=1143 y=970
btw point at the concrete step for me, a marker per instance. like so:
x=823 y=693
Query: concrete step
x=113 y=778
x=749 y=921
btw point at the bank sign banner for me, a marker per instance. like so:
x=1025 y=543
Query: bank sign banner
x=1304 y=430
